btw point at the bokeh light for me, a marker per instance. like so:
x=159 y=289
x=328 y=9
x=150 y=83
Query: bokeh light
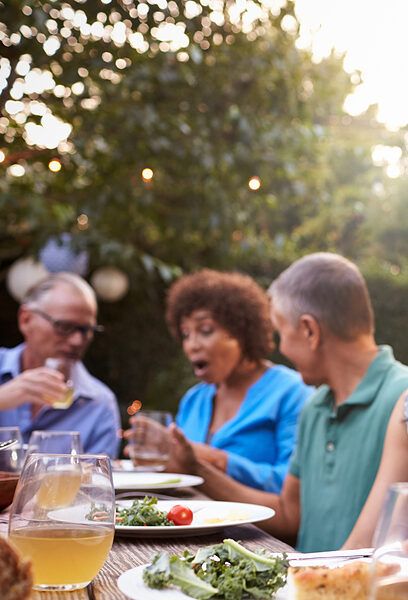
x=83 y=222
x=147 y=174
x=54 y=165
x=133 y=408
x=254 y=183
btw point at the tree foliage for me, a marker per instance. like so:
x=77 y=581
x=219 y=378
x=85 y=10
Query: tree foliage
x=209 y=98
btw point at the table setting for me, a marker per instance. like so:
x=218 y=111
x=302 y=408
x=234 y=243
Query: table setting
x=102 y=530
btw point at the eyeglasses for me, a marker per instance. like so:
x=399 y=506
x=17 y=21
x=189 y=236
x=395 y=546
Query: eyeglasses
x=67 y=328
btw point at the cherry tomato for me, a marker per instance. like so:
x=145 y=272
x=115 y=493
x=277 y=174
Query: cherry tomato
x=180 y=515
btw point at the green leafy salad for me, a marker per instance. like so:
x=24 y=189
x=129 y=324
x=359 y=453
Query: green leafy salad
x=226 y=571
x=142 y=512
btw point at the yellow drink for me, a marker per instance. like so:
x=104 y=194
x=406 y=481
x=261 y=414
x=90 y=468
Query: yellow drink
x=66 y=555
x=66 y=400
x=58 y=488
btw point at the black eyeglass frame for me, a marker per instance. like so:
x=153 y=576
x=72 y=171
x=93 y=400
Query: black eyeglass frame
x=66 y=328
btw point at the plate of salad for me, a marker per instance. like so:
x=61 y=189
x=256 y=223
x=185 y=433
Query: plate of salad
x=221 y=572
x=137 y=480
x=150 y=517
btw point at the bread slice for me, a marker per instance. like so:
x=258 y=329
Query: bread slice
x=348 y=582
x=16 y=578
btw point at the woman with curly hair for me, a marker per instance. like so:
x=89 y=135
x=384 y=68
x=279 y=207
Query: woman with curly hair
x=242 y=416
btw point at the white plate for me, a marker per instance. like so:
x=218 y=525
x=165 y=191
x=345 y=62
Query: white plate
x=74 y=514
x=134 y=480
x=131 y=583
x=209 y=516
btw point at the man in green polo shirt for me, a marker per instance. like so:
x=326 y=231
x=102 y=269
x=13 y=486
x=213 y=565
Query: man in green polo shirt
x=321 y=309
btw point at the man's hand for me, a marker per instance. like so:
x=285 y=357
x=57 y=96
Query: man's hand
x=39 y=386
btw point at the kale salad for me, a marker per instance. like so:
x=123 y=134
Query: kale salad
x=226 y=571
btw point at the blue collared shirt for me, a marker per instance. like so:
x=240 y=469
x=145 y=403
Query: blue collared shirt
x=94 y=411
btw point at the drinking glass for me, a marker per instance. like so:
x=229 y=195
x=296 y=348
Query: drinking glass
x=390 y=558
x=63 y=518
x=64 y=365
x=149 y=445
x=55 y=442
x=11 y=459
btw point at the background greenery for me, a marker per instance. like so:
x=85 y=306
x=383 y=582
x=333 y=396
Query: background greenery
x=235 y=103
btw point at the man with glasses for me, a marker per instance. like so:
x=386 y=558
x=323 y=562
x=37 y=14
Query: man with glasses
x=57 y=319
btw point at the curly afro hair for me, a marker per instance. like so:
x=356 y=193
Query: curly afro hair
x=234 y=300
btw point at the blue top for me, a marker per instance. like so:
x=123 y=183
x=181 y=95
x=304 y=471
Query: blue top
x=94 y=411
x=260 y=438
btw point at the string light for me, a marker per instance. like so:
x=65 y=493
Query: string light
x=54 y=165
x=83 y=222
x=147 y=174
x=254 y=183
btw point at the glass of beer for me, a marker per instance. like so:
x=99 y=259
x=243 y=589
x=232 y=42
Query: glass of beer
x=63 y=518
x=64 y=366
x=149 y=444
x=390 y=558
x=55 y=442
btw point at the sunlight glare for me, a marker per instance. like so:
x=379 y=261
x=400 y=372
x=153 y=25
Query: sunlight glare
x=372 y=33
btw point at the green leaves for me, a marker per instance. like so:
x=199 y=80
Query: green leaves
x=142 y=513
x=226 y=571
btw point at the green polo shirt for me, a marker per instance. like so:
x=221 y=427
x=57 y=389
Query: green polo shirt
x=339 y=451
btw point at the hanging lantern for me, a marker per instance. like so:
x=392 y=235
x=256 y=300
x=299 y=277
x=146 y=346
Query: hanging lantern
x=22 y=275
x=111 y=284
x=58 y=255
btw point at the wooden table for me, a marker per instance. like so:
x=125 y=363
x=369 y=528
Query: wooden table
x=130 y=552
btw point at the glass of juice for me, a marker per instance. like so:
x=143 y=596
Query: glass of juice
x=390 y=558
x=149 y=445
x=63 y=518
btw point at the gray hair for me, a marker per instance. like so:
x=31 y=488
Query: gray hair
x=331 y=289
x=40 y=289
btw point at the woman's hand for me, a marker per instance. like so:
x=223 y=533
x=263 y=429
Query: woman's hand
x=182 y=455
x=185 y=455
x=214 y=456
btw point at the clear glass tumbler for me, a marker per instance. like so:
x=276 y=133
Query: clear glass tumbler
x=11 y=459
x=149 y=445
x=55 y=442
x=63 y=518
x=390 y=558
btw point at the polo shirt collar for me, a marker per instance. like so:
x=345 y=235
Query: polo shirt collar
x=366 y=391
x=11 y=364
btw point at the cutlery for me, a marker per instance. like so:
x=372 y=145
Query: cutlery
x=296 y=558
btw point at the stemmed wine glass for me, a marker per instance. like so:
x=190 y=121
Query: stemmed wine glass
x=390 y=558
x=63 y=518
